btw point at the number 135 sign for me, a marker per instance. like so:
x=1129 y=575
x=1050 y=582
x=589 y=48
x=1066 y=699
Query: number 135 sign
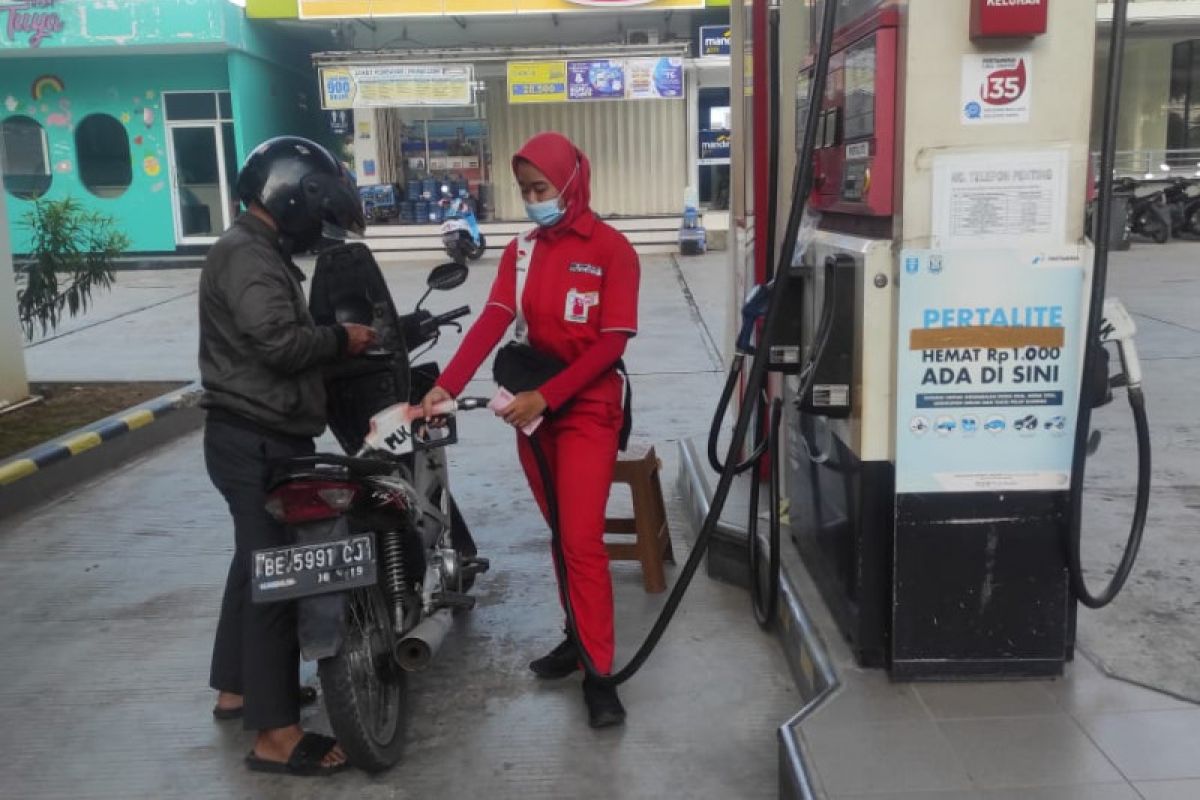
x=996 y=89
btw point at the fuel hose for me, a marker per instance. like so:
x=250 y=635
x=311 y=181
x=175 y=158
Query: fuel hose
x=1087 y=399
x=755 y=383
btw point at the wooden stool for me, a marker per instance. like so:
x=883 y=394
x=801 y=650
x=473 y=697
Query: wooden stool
x=639 y=470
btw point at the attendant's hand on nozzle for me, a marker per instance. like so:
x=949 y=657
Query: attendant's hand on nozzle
x=360 y=338
x=524 y=410
x=435 y=396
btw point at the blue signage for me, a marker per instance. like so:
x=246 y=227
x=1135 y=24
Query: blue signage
x=341 y=122
x=988 y=372
x=715 y=147
x=715 y=40
x=595 y=80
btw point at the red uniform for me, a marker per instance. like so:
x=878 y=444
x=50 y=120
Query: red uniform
x=580 y=304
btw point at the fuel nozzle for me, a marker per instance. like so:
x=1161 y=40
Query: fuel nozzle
x=753 y=310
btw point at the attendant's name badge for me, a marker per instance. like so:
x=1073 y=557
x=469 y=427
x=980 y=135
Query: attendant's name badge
x=579 y=304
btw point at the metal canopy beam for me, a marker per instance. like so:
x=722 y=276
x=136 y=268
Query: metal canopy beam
x=484 y=55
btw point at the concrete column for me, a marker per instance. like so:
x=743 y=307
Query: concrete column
x=692 y=80
x=14 y=385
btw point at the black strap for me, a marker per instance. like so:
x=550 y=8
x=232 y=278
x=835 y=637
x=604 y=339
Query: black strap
x=627 y=408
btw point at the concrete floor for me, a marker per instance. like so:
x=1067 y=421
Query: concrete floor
x=112 y=594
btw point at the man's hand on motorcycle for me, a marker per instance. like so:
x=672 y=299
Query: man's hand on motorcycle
x=360 y=337
x=435 y=395
x=524 y=409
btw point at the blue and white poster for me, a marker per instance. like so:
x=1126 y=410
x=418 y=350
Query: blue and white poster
x=654 y=78
x=715 y=40
x=715 y=147
x=595 y=80
x=988 y=370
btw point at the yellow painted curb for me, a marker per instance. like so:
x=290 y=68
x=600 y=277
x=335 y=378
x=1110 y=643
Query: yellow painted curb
x=83 y=442
x=15 y=470
x=138 y=419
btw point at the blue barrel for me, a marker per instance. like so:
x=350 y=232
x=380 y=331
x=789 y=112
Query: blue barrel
x=429 y=188
x=407 y=213
x=421 y=215
x=414 y=190
x=436 y=213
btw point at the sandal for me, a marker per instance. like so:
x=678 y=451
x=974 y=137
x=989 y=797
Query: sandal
x=308 y=696
x=305 y=760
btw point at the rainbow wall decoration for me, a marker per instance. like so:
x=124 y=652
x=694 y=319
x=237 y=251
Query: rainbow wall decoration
x=45 y=83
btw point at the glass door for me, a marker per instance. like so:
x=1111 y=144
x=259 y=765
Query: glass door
x=200 y=182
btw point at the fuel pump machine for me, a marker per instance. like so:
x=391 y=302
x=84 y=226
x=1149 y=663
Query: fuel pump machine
x=929 y=460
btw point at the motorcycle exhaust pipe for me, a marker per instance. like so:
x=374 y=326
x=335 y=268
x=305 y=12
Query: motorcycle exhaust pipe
x=417 y=649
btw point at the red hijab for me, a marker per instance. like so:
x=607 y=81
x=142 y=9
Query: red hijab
x=565 y=166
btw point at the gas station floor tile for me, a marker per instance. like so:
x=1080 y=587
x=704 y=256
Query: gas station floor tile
x=903 y=756
x=1028 y=751
x=947 y=701
x=1150 y=745
x=1169 y=790
x=1091 y=791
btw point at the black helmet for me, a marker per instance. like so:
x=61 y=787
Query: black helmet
x=304 y=189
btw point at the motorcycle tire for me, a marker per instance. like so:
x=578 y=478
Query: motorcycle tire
x=1192 y=225
x=476 y=253
x=366 y=692
x=1160 y=232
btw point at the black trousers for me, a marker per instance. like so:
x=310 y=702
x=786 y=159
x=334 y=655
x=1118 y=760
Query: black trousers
x=256 y=653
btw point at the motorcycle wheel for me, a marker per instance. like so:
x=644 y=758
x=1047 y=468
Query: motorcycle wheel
x=1160 y=232
x=1193 y=224
x=476 y=253
x=365 y=691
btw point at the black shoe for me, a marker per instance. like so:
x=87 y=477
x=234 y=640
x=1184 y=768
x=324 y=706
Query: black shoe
x=558 y=663
x=603 y=705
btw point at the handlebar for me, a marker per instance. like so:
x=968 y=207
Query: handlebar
x=433 y=323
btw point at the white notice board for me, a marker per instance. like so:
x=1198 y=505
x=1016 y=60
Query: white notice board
x=1000 y=199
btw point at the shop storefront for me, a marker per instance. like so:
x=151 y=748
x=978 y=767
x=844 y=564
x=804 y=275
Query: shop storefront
x=623 y=82
x=142 y=111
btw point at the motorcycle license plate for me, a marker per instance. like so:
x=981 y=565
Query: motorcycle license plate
x=303 y=570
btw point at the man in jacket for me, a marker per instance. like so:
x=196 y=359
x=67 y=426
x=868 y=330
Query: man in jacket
x=260 y=363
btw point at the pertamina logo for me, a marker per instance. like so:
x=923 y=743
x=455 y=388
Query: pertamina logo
x=1004 y=86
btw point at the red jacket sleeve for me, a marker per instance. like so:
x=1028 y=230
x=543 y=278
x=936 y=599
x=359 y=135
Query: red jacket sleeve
x=487 y=331
x=583 y=371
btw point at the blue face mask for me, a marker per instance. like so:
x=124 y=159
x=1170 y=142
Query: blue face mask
x=545 y=213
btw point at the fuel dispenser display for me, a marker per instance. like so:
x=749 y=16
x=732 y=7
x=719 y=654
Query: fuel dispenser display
x=855 y=156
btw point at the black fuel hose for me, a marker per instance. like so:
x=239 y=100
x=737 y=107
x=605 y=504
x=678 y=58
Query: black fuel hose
x=1087 y=400
x=755 y=381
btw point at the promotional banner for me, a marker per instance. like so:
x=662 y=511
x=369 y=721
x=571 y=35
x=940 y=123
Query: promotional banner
x=397 y=86
x=330 y=9
x=654 y=78
x=988 y=370
x=600 y=79
x=537 y=81
x=715 y=40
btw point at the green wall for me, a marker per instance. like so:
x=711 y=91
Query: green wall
x=129 y=89
x=290 y=96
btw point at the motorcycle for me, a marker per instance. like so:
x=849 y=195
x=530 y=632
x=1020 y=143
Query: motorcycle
x=381 y=558
x=1148 y=214
x=1183 y=202
x=460 y=232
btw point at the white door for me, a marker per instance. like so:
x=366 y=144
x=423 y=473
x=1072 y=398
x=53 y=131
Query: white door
x=203 y=171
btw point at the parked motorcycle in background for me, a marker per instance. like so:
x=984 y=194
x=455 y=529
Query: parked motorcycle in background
x=1149 y=216
x=1183 y=204
x=460 y=231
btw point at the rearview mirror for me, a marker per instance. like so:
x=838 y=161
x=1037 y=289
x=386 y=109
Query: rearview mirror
x=447 y=276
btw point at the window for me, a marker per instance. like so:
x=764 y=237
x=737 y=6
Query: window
x=24 y=158
x=102 y=149
x=1183 y=104
x=197 y=106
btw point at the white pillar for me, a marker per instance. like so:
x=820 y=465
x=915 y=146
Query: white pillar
x=14 y=385
x=692 y=81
